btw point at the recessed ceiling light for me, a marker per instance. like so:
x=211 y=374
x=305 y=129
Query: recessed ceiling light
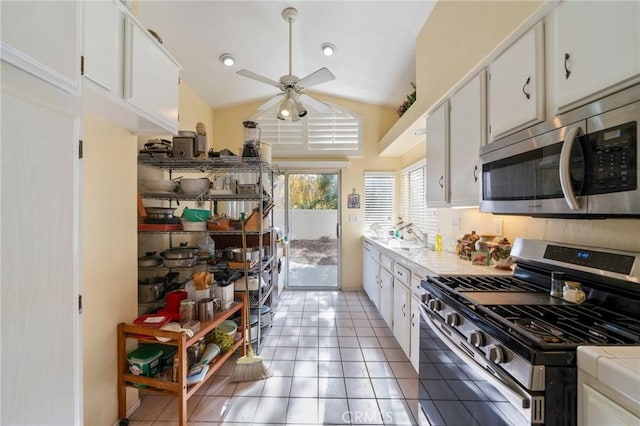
x=227 y=59
x=327 y=49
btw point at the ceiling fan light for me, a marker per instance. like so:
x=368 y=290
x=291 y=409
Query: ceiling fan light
x=327 y=49
x=300 y=109
x=227 y=59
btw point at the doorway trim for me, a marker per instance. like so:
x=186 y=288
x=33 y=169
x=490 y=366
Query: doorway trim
x=310 y=169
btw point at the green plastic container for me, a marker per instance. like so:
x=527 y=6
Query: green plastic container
x=168 y=351
x=145 y=361
x=196 y=215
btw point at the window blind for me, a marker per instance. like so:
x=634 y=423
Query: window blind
x=379 y=189
x=414 y=203
x=336 y=132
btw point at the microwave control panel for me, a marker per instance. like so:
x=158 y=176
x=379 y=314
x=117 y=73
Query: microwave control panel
x=614 y=159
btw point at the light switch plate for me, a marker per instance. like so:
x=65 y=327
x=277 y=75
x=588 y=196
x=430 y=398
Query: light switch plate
x=353 y=218
x=456 y=223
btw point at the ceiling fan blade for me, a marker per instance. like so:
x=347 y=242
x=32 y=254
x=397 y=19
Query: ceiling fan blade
x=258 y=77
x=271 y=102
x=313 y=103
x=321 y=76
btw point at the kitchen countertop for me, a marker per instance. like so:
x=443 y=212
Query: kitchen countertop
x=437 y=263
x=617 y=367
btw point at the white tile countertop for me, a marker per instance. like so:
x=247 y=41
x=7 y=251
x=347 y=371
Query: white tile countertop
x=618 y=367
x=437 y=263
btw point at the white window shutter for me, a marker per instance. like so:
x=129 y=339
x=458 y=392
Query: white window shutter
x=378 y=198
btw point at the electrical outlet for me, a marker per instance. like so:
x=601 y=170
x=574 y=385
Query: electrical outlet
x=353 y=218
x=498 y=226
x=456 y=223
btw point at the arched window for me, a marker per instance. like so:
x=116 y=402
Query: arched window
x=332 y=133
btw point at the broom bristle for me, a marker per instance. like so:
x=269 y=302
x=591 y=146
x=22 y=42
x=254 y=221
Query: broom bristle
x=248 y=369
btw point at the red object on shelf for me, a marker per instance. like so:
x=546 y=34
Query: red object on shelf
x=159 y=227
x=173 y=316
x=173 y=300
x=153 y=320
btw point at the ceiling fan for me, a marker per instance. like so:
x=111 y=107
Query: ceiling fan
x=291 y=106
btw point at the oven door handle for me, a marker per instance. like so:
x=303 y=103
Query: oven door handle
x=507 y=386
x=565 y=168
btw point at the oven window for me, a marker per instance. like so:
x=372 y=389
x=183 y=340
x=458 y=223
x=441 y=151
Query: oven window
x=533 y=175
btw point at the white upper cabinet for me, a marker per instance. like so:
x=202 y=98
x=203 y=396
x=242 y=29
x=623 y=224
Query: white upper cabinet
x=104 y=44
x=438 y=156
x=596 y=46
x=151 y=79
x=130 y=79
x=467 y=119
x=516 y=85
x=43 y=38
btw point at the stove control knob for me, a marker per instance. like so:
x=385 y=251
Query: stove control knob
x=426 y=297
x=476 y=338
x=496 y=354
x=434 y=305
x=453 y=319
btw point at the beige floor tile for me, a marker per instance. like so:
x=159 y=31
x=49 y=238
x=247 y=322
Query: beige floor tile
x=328 y=353
x=348 y=342
x=354 y=369
x=284 y=353
x=351 y=354
x=359 y=388
x=331 y=387
x=304 y=387
x=409 y=388
x=170 y=413
x=277 y=387
x=364 y=332
x=302 y=410
x=151 y=407
x=290 y=331
x=221 y=386
x=281 y=368
x=210 y=408
x=307 y=354
x=386 y=388
x=403 y=370
x=308 y=342
x=373 y=354
x=242 y=409
x=382 y=331
x=364 y=411
x=333 y=411
x=395 y=354
x=330 y=369
x=395 y=412
x=306 y=369
x=346 y=331
x=253 y=388
x=271 y=410
x=369 y=342
x=388 y=342
x=379 y=369
x=328 y=342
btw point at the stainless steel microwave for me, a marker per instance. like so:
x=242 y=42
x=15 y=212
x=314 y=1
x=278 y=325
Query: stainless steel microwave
x=582 y=164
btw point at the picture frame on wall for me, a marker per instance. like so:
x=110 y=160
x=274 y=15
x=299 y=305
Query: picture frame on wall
x=353 y=200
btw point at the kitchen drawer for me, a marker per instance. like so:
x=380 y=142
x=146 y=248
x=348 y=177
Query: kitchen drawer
x=386 y=262
x=401 y=273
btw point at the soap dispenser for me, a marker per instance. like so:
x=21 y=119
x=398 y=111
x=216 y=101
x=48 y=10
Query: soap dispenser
x=438 y=241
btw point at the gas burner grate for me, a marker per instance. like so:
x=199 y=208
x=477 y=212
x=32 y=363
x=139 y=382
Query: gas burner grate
x=484 y=283
x=566 y=324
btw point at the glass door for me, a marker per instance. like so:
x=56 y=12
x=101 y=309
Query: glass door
x=307 y=210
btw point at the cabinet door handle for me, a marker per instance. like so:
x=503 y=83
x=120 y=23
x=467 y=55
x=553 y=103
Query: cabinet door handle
x=526 y=83
x=440 y=182
x=413 y=316
x=404 y=310
x=567 y=73
x=475 y=173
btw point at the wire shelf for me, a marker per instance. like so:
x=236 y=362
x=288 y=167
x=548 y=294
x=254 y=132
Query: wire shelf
x=206 y=165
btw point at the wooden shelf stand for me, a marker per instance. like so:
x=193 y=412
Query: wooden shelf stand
x=180 y=389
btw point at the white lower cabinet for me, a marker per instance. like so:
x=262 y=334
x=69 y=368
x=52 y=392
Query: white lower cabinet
x=414 y=334
x=401 y=315
x=386 y=296
x=371 y=272
x=597 y=409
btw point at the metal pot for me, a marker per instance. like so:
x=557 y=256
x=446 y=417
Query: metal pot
x=150 y=259
x=160 y=212
x=180 y=263
x=151 y=289
x=180 y=253
x=252 y=254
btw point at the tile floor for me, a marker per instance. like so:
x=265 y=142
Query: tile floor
x=333 y=361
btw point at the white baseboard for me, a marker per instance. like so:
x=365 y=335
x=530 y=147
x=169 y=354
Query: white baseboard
x=130 y=411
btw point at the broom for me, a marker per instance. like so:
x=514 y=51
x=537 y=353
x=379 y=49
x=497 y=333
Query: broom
x=248 y=367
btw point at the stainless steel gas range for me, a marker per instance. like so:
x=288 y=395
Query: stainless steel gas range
x=502 y=350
